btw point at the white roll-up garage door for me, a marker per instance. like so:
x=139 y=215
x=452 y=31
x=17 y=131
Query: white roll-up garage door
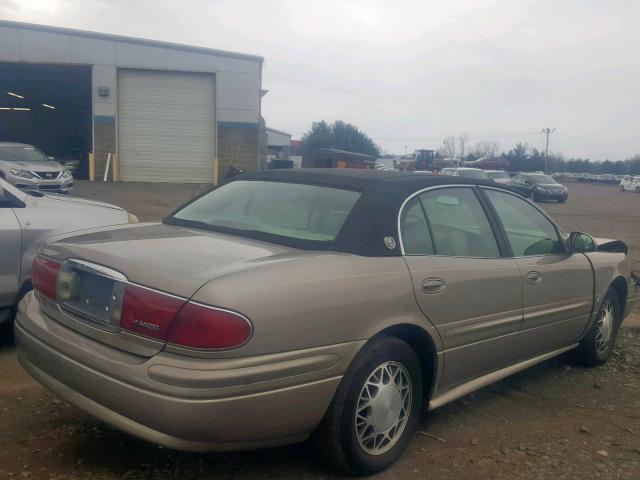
x=166 y=126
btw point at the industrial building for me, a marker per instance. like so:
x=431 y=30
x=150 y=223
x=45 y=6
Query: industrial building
x=170 y=112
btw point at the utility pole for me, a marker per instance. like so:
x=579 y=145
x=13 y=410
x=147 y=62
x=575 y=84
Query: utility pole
x=547 y=131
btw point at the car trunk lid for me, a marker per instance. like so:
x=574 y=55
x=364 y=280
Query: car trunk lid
x=145 y=259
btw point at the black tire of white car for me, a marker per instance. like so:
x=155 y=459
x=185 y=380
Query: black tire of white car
x=591 y=351
x=342 y=437
x=622 y=188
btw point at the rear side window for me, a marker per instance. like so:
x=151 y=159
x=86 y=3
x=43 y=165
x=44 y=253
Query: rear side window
x=529 y=232
x=455 y=225
x=416 y=236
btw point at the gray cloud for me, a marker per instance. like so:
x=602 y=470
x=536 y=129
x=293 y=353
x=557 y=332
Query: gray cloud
x=412 y=69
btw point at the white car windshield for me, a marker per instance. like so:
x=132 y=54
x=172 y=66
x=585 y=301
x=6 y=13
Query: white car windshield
x=22 y=153
x=8 y=190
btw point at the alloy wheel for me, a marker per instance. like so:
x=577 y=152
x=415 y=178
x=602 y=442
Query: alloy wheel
x=605 y=326
x=383 y=408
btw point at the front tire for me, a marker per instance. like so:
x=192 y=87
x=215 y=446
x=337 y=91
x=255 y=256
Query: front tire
x=622 y=188
x=596 y=346
x=376 y=409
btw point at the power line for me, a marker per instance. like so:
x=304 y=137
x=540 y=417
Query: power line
x=438 y=139
x=520 y=134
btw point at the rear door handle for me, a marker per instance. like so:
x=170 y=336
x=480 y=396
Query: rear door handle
x=533 y=278
x=433 y=285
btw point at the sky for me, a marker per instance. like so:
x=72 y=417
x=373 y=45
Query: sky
x=409 y=73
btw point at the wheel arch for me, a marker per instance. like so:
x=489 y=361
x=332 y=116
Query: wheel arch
x=619 y=285
x=424 y=347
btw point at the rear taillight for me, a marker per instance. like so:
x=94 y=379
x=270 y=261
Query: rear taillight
x=148 y=312
x=201 y=326
x=43 y=276
x=142 y=310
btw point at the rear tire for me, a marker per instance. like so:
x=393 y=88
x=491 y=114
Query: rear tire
x=375 y=410
x=596 y=346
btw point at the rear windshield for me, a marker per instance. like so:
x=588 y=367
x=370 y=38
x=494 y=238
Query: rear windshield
x=300 y=215
x=21 y=153
x=541 y=178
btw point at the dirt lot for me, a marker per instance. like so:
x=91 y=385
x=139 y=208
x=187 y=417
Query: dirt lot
x=552 y=421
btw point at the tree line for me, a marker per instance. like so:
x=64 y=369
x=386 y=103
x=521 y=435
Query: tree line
x=345 y=136
x=521 y=157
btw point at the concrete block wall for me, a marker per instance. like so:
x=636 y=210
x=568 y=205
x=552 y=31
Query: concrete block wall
x=104 y=142
x=238 y=146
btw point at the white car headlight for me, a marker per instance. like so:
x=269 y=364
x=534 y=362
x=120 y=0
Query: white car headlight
x=66 y=174
x=21 y=173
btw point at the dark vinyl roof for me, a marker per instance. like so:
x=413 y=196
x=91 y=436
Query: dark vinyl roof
x=375 y=215
x=361 y=179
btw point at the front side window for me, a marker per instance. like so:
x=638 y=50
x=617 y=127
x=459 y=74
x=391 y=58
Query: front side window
x=457 y=223
x=529 y=232
x=302 y=215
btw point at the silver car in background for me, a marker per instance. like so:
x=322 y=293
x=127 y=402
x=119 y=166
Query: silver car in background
x=28 y=168
x=26 y=220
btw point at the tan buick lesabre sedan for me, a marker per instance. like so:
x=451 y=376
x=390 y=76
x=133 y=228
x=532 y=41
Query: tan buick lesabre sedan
x=324 y=303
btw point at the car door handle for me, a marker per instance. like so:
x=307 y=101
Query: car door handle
x=533 y=278
x=433 y=285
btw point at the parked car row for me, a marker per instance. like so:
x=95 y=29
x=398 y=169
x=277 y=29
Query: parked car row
x=590 y=177
x=536 y=186
x=295 y=303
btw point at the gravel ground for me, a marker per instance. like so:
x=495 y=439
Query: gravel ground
x=555 y=420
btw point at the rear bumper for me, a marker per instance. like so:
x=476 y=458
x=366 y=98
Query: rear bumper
x=260 y=401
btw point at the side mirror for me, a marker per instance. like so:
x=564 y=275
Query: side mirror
x=581 y=242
